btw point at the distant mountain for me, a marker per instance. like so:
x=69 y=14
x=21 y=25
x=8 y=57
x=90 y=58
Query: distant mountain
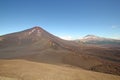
x=92 y=39
x=38 y=45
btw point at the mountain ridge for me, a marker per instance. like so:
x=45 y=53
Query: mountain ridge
x=93 y=39
x=36 y=44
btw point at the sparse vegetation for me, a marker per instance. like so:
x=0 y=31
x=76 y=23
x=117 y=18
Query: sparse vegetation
x=28 y=70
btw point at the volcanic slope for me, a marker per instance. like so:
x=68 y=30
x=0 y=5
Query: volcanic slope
x=38 y=45
x=27 y=70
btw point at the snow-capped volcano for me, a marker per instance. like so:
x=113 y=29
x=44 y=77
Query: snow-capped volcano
x=92 y=39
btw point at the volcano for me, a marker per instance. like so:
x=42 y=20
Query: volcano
x=92 y=39
x=38 y=45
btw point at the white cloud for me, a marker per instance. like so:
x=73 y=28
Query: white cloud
x=115 y=26
x=116 y=37
x=66 y=37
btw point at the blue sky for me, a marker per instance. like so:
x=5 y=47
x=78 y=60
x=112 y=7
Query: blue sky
x=64 y=18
